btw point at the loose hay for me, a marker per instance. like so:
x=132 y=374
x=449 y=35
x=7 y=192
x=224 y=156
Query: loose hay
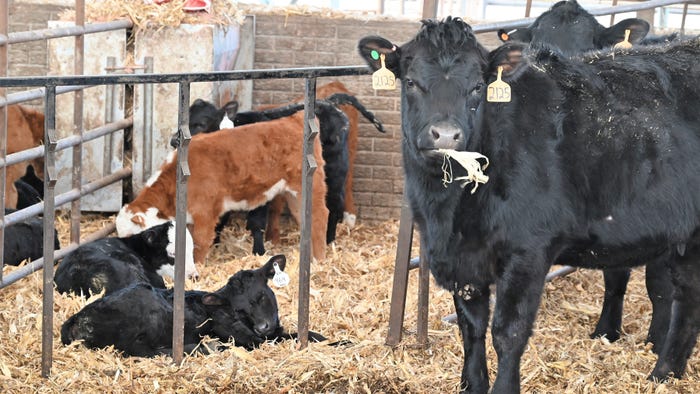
x=350 y=299
x=148 y=15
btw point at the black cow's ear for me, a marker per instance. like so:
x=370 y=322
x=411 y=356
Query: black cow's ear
x=231 y=109
x=213 y=299
x=616 y=33
x=508 y=55
x=372 y=47
x=269 y=268
x=153 y=235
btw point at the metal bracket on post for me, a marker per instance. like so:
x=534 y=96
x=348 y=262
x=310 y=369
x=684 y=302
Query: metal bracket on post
x=183 y=175
x=308 y=168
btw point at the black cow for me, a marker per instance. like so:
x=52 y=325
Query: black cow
x=138 y=320
x=30 y=189
x=594 y=158
x=114 y=263
x=569 y=28
x=25 y=240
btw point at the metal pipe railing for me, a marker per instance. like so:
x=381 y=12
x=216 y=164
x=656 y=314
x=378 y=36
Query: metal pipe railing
x=64 y=143
x=58 y=32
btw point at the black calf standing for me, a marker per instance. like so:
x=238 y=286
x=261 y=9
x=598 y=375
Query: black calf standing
x=138 y=320
x=113 y=263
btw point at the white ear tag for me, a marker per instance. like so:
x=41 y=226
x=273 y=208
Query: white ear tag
x=281 y=278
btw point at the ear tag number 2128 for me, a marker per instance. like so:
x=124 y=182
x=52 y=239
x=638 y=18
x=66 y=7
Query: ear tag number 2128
x=498 y=90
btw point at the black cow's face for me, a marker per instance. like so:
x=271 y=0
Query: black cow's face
x=205 y=118
x=246 y=303
x=572 y=30
x=442 y=84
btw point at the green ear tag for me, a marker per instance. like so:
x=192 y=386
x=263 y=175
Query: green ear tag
x=374 y=54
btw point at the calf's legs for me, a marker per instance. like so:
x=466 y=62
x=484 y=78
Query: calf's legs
x=473 y=320
x=685 y=315
x=610 y=322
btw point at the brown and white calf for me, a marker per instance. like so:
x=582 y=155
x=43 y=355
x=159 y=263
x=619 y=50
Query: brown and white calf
x=25 y=130
x=233 y=169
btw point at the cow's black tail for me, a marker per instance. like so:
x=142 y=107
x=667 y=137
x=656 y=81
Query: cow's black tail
x=344 y=98
x=248 y=117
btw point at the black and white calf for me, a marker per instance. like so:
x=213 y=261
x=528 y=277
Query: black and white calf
x=114 y=263
x=596 y=158
x=138 y=320
x=25 y=240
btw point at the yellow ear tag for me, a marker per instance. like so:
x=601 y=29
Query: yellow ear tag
x=624 y=44
x=383 y=79
x=498 y=91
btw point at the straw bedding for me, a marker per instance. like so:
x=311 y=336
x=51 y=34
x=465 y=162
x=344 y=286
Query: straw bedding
x=350 y=299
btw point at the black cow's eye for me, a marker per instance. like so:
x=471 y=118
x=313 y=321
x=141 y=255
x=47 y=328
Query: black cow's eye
x=477 y=88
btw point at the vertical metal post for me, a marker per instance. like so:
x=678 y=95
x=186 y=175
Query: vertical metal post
x=612 y=16
x=685 y=14
x=147 y=149
x=50 y=177
x=109 y=118
x=4 y=27
x=76 y=173
x=309 y=166
x=183 y=174
x=401 y=268
x=528 y=8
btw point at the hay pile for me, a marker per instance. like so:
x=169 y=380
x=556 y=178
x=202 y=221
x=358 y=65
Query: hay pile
x=349 y=300
x=149 y=15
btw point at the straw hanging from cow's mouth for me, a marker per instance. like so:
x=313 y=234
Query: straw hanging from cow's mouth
x=470 y=162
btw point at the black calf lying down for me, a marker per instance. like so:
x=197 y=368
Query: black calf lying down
x=25 y=240
x=138 y=320
x=113 y=263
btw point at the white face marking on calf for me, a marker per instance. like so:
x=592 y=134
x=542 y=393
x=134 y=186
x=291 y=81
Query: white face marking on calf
x=126 y=227
x=226 y=123
x=128 y=222
x=190 y=269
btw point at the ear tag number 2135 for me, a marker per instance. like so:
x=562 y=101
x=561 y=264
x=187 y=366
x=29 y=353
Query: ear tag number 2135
x=498 y=90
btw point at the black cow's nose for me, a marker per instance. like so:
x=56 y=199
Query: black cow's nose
x=445 y=136
x=262 y=328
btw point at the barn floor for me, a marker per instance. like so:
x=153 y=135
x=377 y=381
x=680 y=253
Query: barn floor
x=350 y=299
